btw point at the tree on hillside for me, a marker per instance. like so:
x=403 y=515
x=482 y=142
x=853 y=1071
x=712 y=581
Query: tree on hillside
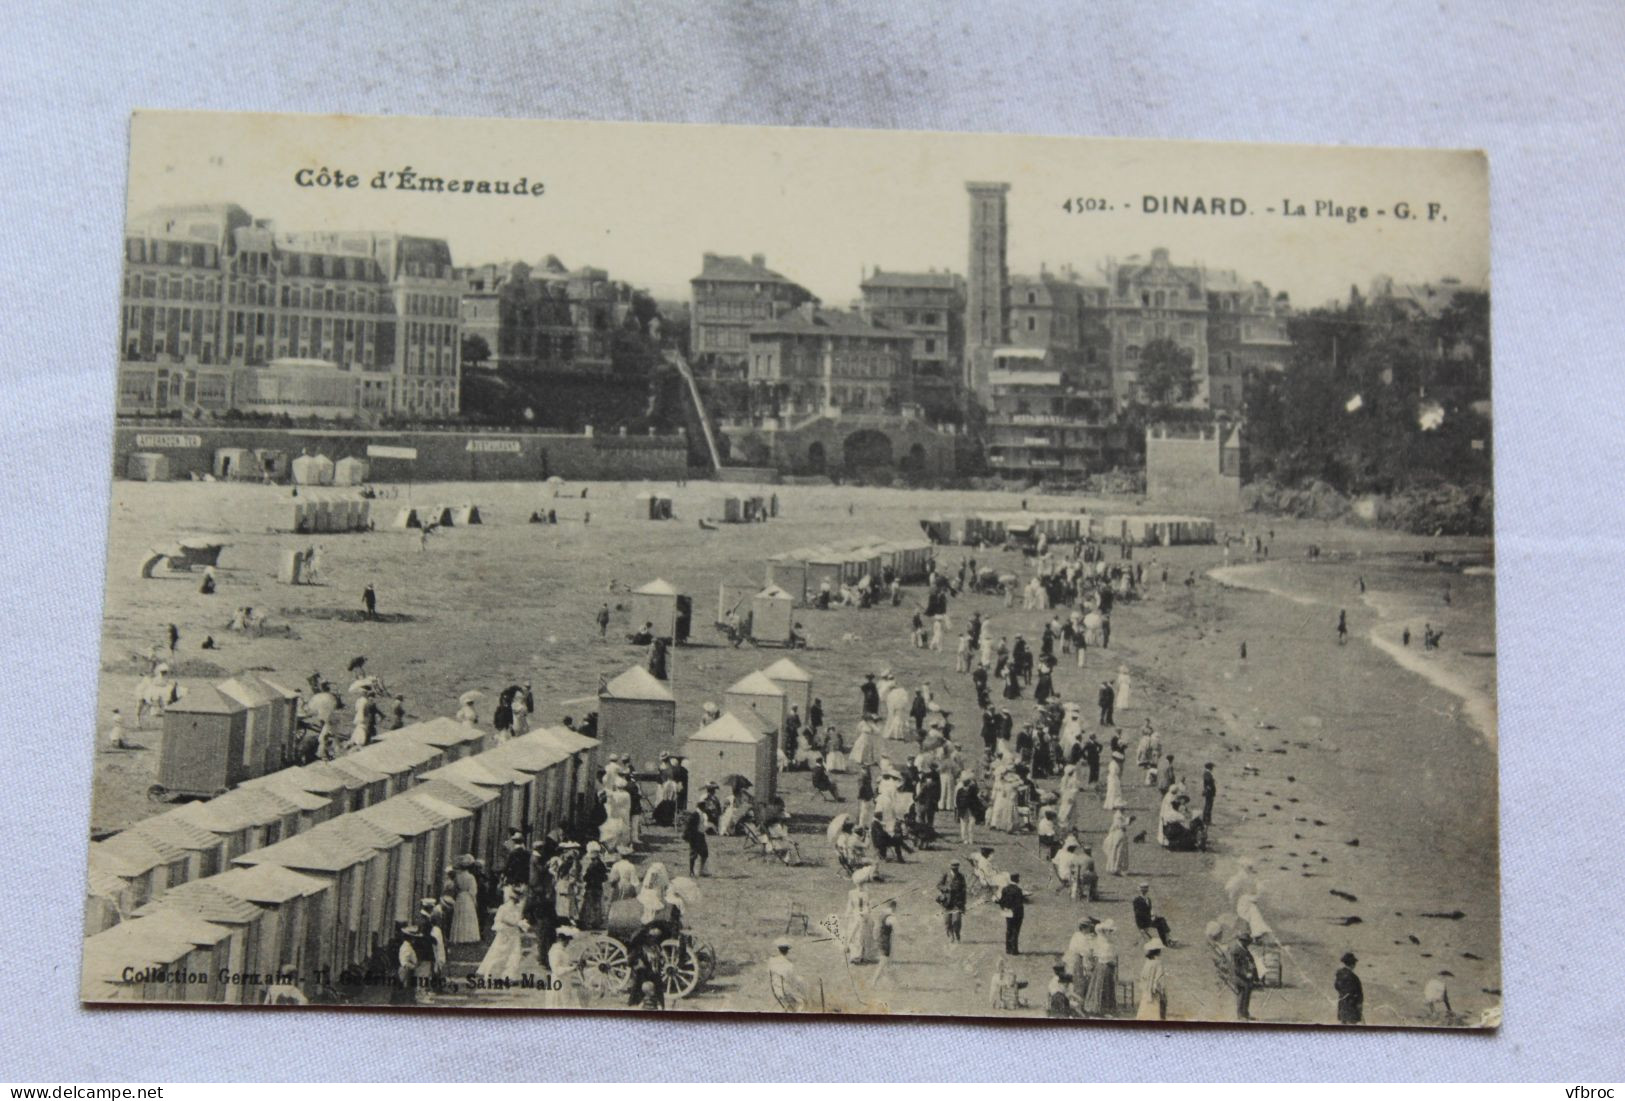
x=1166 y=373
x=475 y=351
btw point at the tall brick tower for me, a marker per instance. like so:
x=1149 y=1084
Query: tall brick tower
x=987 y=284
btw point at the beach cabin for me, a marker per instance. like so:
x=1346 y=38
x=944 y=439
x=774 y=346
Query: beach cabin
x=205 y=749
x=169 y=956
x=241 y=918
x=313 y=808
x=406 y=518
x=546 y=763
x=580 y=784
x=350 y=471
x=148 y=866
x=234 y=464
x=270 y=721
x=662 y=605
x=789 y=572
x=383 y=874
x=205 y=850
x=794 y=681
x=402 y=761
x=269 y=816
x=455 y=740
x=291 y=928
x=772 y=614
x=513 y=787
x=637 y=714
x=374 y=786
x=313 y=779
x=464 y=515
x=271 y=463
x=424 y=850
x=651 y=506
x=824 y=567
x=107 y=900
x=484 y=834
x=458 y=838
x=147 y=466
x=730 y=746
x=344 y=863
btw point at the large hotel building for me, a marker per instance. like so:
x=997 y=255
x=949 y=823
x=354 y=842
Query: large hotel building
x=223 y=312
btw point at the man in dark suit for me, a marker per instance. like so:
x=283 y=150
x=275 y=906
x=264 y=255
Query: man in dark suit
x=951 y=896
x=517 y=868
x=871 y=696
x=1243 y=974
x=1144 y=919
x=1014 y=904
x=1210 y=790
x=1350 y=992
x=1107 y=701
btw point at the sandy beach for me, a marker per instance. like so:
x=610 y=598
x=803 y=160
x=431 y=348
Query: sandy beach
x=1394 y=750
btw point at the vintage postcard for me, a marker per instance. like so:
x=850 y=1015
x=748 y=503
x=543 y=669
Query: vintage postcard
x=561 y=565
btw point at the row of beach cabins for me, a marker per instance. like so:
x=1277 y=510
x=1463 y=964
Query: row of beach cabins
x=1024 y=528
x=802 y=573
x=305 y=872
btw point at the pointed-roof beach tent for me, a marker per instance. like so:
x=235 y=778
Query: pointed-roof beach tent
x=728 y=746
x=406 y=518
x=661 y=604
x=772 y=613
x=637 y=714
x=758 y=695
x=312 y=470
x=466 y=514
x=147 y=466
x=350 y=471
x=794 y=681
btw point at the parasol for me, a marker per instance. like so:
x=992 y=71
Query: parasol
x=365 y=684
x=355 y=663
x=471 y=696
x=836 y=824
x=736 y=782
x=323 y=704
x=686 y=891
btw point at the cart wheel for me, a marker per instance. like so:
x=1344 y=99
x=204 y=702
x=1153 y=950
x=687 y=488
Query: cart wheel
x=707 y=957
x=157 y=793
x=679 y=968
x=605 y=967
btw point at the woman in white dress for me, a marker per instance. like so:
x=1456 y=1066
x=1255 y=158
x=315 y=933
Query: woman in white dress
x=1125 y=684
x=864 y=751
x=1101 y=1001
x=1115 y=847
x=1002 y=815
x=857 y=925
x=1114 y=784
x=465 y=913
x=504 y=958
x=1067 y=805
x=1153 y=985
x=834 y=751
x=562 y=991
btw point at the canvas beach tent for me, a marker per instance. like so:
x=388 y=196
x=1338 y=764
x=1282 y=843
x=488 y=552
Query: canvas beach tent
x=637 y=714
x=794 y=681
x=731 y=746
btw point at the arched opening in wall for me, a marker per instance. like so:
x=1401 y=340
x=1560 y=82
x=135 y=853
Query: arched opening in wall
x=867 y=450
x=816 y=459
x=913 y=463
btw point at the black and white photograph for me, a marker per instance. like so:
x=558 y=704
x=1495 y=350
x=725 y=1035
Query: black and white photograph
x=707 y=569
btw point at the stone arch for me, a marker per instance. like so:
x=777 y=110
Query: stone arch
x=914 y=461
x=816 y=457
x=867 y=449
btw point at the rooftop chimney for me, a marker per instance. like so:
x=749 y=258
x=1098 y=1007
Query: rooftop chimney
x=759 y=259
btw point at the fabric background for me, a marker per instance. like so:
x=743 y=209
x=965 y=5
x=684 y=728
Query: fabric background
x=1536 y=84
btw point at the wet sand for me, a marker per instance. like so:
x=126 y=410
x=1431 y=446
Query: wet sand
x=1373 y=751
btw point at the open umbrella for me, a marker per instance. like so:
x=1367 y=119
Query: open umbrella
x=555 y=480
x=736 y=782
x=355 y=663
x=836 y=824
x=363 y=685
x=471 y=696
x=323 y=704
x=686 y=890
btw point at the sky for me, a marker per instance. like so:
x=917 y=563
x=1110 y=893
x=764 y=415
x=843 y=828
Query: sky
x=646 y=201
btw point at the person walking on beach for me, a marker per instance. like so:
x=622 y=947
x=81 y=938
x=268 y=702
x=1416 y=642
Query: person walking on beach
x=1210 y=790
x=1013 y=902
x=1243 y=974
x=1350 y=992
x=1108 y=703
x=1342 y=627
x=369 y=601
x=603 y=621
x=952 y=896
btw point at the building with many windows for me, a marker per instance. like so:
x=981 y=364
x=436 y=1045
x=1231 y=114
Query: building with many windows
x=931 y=306
x=816 y=361
x=732 y=295
x=212 y=296
x=1043 y=422
x=545 y=317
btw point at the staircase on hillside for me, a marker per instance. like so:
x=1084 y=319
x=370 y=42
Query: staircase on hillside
x=676 y=360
